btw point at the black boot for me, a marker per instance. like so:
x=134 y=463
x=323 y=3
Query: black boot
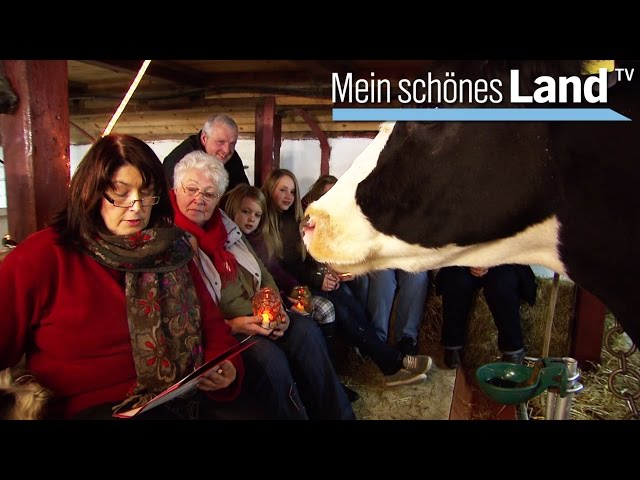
x=516 y=356
x=452 y=357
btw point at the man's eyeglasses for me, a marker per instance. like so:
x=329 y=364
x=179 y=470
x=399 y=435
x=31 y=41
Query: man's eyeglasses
x=193 y=192
x=145 y=202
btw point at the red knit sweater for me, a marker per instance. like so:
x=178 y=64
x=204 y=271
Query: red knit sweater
x=67 y=313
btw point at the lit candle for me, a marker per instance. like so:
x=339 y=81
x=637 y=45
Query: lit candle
x=266 y=304
x=303 y=297
x=266 y=319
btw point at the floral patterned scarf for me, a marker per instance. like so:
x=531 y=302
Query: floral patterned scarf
x=163 y=311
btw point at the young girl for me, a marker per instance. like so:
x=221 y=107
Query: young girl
x=246 y=205
x=321 y=186
x=285 y=213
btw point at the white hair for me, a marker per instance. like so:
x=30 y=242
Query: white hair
x=212 y=168
x=220 y=118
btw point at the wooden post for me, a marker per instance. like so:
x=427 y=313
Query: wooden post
x=36 y=144
x=325 y=148
x=268 y=127
x=277 y=139
x=588 y=328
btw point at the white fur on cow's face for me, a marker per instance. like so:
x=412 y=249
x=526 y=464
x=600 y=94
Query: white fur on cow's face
x=341 y=235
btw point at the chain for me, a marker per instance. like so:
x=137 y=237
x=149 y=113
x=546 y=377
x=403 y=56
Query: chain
x=624 y=382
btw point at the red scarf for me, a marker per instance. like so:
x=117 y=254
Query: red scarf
x=211 y=239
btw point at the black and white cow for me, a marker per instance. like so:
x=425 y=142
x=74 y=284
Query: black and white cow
x=425 y=195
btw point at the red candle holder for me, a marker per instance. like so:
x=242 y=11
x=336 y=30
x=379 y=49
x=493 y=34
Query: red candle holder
x=303 y=299
x=266 y=303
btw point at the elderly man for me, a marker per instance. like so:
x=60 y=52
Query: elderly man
x=218 y=138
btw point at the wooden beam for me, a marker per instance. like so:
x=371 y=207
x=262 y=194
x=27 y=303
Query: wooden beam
x=36 y=144
x=322 y=70
x=174 y=117
x=170 y=71
x=588 y=329
x=325 y=148
x=264 y=154
x=77 y=88
x=84 y=132
x=277 y=139
x=78 y=138
x=95 y=105
x=264 y=82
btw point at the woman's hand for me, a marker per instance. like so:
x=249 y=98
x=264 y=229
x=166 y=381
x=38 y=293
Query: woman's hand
x=294 y=306
x=250 y=325
x=283 y=324
x=218 y=377
x=330 y=282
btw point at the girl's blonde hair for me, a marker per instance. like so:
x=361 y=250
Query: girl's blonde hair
x=231 y=202
x=273 y=213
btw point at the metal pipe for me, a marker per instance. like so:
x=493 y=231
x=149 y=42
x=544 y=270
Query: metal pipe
x=563 y=410
x=552 y=396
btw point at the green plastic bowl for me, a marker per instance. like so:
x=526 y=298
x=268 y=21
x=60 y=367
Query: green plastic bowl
x=499 y=381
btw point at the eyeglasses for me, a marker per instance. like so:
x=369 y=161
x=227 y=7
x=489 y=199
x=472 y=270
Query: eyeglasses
x=145 y=202
x=193 y=192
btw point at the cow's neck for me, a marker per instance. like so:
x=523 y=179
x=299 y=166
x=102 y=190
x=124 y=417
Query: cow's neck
x=537 y=245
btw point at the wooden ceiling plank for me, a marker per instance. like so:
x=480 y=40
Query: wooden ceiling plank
x=90 y=107
x=76 y=88
x=172 y=72
x=322 y=70
x=180 y=94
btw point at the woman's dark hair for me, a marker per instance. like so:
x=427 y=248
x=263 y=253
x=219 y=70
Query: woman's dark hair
x=317 y=189
x=81 y=215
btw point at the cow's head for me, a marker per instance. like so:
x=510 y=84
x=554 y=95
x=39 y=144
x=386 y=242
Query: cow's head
x=429 y=194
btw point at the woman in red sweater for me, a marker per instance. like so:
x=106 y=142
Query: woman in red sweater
x=103 y=304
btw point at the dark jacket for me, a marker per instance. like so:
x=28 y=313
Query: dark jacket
x=234 y=166
x=283 y=279
x=308 y=271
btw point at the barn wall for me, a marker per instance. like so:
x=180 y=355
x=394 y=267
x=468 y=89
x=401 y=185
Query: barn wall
x=302 y=157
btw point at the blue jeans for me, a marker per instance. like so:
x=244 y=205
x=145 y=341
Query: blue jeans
x=360 y=288
x=352 y=322
x=411 y=292
x=293 y=378
x=500 y=285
